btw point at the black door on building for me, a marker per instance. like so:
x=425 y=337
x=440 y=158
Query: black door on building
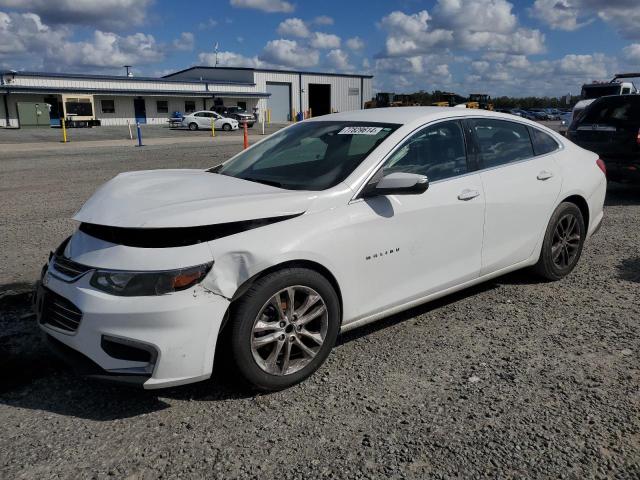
x=319 y=99
x=56 y=109
x=140 y=110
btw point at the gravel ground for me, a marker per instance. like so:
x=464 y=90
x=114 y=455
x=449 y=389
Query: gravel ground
x=40 y=192
x=511 y=379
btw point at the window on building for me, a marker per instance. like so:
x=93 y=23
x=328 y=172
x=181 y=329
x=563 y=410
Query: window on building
x=79 y=106
x=108 y=106
x=189 y=106
x=162 y=106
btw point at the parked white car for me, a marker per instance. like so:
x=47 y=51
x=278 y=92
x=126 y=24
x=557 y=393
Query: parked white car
x=202 y=119
x=326 y=225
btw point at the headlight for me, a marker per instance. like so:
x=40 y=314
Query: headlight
x=143 y=284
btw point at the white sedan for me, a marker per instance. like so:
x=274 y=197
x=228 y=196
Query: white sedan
x=327 y=225
x=203 y=119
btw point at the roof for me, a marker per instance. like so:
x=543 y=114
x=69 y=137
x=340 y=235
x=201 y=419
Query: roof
x=271 y=70
x=131 y=91
x=115 y=77
x=407 y=115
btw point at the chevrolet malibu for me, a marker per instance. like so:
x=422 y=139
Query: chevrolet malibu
x=325 y=226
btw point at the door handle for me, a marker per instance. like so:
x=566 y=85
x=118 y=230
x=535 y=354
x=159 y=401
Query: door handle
x=544 y=175
x=468 y=194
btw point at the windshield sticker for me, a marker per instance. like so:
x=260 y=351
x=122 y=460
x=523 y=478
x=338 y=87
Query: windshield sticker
x=360 y=131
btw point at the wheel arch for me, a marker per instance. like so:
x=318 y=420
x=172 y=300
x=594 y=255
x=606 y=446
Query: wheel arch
x=300 y=263
x=582 y=204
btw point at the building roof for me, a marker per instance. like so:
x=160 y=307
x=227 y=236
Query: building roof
x=131 y=92
x=87 y=76
x=271 y=70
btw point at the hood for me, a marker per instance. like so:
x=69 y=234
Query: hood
x=186 y=198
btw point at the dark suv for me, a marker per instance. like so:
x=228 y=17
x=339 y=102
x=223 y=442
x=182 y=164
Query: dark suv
x=239 y=113
x=610 y=127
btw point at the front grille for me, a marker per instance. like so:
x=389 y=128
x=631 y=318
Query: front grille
x=68 y=267
x=59 y=312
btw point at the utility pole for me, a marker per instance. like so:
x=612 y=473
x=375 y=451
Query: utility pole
x=127 y=67
x=215 y=50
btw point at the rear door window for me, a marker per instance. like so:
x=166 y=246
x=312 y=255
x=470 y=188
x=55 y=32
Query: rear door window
x=543 y=143
x=501 y=142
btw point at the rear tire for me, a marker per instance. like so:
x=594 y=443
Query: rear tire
x=275 y=343
x=193 y=126
x=563 y=242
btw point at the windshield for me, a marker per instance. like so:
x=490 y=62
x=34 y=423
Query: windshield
x=309 y=155
x=602 y=90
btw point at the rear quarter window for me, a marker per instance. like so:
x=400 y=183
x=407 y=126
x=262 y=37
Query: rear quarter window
x=543 y=143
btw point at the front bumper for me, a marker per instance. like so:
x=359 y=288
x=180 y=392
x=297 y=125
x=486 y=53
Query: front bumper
x=179 y=330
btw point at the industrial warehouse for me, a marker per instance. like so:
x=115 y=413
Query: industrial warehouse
x=32 y=99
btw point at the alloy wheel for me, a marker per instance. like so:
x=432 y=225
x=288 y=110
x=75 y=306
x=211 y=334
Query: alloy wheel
x=566 y=241
x=289 y=330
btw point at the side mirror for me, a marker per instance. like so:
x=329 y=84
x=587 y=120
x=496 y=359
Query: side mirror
x=397 y=183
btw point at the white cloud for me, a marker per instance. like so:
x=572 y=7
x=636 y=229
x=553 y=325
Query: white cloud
x=355 y=44
x=27 y=42
x=558 y=14
x=208 y=24
x=339 y=60
x=269 y=6
x=185 y=42
x=400 y=65
x=107 y=14
x=25 y=34
x=323 y=20
x=460 y=24
x=410 y=34
x=632 y=53
x=623 y=15
x=325 y=40
x=289 y=53
x=544 y=77
x=228 y=59
x=293 y=27
x=108 y=50
x=475 y=15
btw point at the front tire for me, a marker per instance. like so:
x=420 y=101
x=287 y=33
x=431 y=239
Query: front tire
x=563 y=242
x=283 y=328
x=193 y=126
x=226 y=127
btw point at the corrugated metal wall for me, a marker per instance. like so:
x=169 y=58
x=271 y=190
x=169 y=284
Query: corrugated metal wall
x=346 y=92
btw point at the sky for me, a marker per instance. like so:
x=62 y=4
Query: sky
x=500 y=47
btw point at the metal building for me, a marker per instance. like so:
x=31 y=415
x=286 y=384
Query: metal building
x=42 y=99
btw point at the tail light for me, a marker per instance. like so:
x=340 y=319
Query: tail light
x=602 y=166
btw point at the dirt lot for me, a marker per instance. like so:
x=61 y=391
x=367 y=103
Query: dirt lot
x=513 y=378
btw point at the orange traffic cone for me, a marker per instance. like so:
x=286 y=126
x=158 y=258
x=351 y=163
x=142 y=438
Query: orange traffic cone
x=246 y=136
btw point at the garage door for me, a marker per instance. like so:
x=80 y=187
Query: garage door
x=280 y=101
